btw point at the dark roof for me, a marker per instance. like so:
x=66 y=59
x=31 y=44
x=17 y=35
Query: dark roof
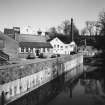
x=35 y=44
x=30 y=38
x=63 y=38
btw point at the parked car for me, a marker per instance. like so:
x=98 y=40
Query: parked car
x=71 y=53
x=31 y=56
x=41 y=55
x=55 y=55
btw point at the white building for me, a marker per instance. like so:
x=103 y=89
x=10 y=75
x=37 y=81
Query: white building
x=59 y=47
x=34 y=44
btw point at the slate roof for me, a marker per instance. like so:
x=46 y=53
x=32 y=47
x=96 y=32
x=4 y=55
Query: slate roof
x=30 y=38
x=35 y=45
x=64 y=39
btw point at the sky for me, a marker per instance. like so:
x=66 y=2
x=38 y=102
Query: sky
x=44 y=14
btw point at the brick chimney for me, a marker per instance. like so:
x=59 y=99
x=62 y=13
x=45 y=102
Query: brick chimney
x=72 y=29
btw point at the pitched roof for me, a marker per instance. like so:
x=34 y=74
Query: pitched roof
x=64 y=39
x=30 y=38
x=35 y=44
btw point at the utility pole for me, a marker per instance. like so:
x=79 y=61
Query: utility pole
x=71 y=29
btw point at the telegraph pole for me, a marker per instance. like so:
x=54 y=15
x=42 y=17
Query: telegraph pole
x=71 y=29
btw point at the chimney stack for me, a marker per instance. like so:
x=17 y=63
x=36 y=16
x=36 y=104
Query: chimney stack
x=72 y=29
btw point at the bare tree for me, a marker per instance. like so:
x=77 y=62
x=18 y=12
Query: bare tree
x=83 y=31
x=89 y=27
x=101 y=41
x=65 y=27
x=52 y=32
x=102 y=22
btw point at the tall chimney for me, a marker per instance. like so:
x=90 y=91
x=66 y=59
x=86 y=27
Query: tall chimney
x=71 y=29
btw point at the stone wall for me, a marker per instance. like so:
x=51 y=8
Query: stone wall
x=17 y=80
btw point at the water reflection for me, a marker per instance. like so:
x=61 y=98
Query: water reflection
x=94 y=85
x=88 y=89
x=69 y=89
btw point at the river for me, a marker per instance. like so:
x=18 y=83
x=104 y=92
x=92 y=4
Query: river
x=87 y=89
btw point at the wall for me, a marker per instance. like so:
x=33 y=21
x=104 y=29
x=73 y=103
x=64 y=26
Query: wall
x=1 y=44
x=10 y=46
x=17 y=80
x=60 y=48
x=46 y=52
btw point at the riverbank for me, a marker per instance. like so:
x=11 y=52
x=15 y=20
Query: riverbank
x=89 y=89
x=92 y=63
x=28 y=76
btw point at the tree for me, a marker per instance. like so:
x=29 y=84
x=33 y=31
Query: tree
x=83 y=31
x=102 y=23
x=64 y=31
x=89 y=27
x=52 y=32
x=65 y=27
x=101 y=41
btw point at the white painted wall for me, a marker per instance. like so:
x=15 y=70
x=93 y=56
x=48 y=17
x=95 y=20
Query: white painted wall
x=60 y=48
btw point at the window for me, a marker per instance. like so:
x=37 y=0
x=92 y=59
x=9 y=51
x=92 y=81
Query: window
x=54 y=45
x=61 y=46
x=43 y=49
x=26 y=49
x=48 y=49
x=58 y=46
x=10 y=91
x=15 y=89
x=22 y=49
x=31 y=49
x=66 y=46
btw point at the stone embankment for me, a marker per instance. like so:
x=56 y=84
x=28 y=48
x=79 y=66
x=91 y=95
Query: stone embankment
x=18 y=79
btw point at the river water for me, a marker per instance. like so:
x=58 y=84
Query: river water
x=87 y=88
